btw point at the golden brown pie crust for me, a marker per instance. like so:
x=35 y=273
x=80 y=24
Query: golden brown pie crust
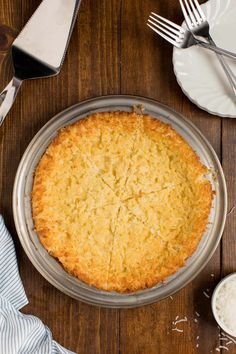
x=121 y=200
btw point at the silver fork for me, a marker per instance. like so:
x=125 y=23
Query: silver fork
x=179 y=36
x=199 y=26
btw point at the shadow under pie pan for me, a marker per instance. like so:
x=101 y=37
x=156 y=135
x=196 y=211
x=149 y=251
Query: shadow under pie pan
x=51 y=269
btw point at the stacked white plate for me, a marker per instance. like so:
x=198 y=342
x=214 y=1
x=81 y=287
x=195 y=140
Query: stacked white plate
x=198 y=70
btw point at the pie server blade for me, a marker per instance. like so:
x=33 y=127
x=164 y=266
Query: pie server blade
x=40 y=48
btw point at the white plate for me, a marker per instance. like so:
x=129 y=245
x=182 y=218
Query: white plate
x=198 y=71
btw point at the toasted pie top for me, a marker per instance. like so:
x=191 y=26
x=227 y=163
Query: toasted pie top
x=121 y=200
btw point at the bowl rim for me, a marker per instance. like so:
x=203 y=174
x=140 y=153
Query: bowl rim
x=111 y=300
x=213 y=303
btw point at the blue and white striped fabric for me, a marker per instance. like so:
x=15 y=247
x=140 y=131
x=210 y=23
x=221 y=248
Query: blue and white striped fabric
x=19 y=334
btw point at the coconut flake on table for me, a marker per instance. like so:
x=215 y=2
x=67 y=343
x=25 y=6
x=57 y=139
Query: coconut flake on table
x=226 y=304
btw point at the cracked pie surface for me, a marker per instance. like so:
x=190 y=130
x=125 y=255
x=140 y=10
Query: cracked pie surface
x=121 y=200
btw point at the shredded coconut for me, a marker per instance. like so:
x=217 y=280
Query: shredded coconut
x=226 y=304
x=223 y=347
x=225 y=340
x=181 y=320
x=208 y=296
x=233 y=340
x=230 y=342
x=177 y=329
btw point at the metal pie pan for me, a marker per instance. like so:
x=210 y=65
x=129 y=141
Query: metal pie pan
x=51 y=269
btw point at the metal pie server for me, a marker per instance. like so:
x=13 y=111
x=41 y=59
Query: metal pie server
x=40 y=48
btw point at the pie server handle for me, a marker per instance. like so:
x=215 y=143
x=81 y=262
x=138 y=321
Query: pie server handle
x=7 y=97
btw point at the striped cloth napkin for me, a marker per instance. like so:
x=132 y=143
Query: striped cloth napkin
x=19 y=334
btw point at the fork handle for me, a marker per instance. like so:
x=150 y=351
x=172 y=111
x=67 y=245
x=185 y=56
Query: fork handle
x=229 y=73
x=7 y=97
x=216 y=49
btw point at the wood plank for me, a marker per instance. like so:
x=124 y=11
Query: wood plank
x=229 y=166
x=10 y=25
x=147 y=70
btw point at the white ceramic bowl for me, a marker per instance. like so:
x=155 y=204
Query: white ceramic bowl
x=198 y=71
x=213 y=304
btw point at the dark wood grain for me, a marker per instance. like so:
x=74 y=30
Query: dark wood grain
x=112 y=52
x=229 y=166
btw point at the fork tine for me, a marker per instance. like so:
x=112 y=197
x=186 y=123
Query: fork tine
x=191 y=15
x=186 y=16
x=197 y=16
x=201 y=13
x=169 y=22
x=174 y=43
x=175 y=31
x=155 y=24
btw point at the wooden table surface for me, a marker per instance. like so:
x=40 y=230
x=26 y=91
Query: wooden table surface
x=112 y=52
